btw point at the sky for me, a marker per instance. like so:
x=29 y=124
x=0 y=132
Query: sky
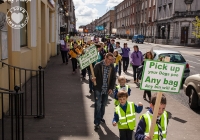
x=88 y=10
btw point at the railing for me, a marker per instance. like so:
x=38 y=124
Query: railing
x=31 y=82
x=186 y=14
x=12 y=123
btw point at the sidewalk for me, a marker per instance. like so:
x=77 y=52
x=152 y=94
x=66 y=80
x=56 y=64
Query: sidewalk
x=70 y=110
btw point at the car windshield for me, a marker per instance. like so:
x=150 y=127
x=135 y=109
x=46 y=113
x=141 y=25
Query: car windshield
x=174 y=57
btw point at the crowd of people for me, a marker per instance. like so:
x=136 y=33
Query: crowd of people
x=107 y=69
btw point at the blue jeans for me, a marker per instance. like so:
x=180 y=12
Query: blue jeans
x=99 y=106
x=116 y=68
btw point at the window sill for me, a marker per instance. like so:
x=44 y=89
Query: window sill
x=24 y=49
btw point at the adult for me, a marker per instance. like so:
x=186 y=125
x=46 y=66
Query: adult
x=136 y=61
x=149 y=56
x=64 y=51
x=105 y=82
x=119 y=64
x=111 y=46
x=125 y=57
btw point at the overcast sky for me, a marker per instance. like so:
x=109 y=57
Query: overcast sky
x=88 y=10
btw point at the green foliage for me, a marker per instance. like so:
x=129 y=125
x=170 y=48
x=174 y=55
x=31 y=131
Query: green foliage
x=197 y=27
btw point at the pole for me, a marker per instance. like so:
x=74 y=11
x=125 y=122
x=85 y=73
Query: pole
x=156 y=109
x=92 y=72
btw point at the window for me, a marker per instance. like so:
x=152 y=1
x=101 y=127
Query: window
x=23 y=31
x=153 y=16
x=149 y=3
x=174 y=57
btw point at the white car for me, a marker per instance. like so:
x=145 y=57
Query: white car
x=192 y=90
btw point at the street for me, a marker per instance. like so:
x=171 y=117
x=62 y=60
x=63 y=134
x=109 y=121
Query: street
x=191 y=55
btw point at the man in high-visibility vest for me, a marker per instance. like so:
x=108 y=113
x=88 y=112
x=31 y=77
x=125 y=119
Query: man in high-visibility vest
x=122 y=86
x=124 y=116
x=144 y=125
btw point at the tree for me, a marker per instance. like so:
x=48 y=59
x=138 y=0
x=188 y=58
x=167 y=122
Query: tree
x=197 y=27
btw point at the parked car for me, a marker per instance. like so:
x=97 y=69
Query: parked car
x=138 y=38
x=192 y=90
x=175 y=57
x=113 y=36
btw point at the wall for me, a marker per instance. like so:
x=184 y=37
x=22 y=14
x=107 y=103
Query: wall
x=40 y=47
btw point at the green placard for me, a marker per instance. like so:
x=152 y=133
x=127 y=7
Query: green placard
x=90 y=56
x=162 y=76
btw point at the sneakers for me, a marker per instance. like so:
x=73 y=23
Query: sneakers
x=96 y=127
x=103 y=121
x=91 y=91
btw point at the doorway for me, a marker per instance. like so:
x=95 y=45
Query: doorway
x=184 y=35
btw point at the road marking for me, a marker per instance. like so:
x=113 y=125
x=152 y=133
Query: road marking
x=191 y=66
x=198 y=60
x=193 y=62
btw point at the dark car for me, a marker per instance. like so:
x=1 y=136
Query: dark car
x=138 y=38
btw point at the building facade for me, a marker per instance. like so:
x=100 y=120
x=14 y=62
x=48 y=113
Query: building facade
x=35 y=43
x=174 y=21
x=160 y=21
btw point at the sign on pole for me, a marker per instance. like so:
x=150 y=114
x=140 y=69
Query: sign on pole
x=90 y=56
x=119 y=50
x=162 y=76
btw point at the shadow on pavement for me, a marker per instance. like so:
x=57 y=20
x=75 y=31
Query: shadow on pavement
x=65 y=111
x=175 y=118
x=105 y=133
x=129 y=74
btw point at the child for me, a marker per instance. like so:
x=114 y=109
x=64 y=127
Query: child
x=122 y=86
x=144 y=124
x=74 y=52
x=118 y=58
x=125 y=117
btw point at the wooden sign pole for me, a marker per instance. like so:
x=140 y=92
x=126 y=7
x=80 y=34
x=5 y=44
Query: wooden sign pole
x=156 y=108
x=155 y=114
x=92 y=71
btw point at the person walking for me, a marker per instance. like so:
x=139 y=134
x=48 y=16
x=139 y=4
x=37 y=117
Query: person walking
x=111 y=46
x=74 y=52
x=120 y=52
x=105 y=83
x=136 y=61
x=64 y=51
x=125 y=57
x=149 y=56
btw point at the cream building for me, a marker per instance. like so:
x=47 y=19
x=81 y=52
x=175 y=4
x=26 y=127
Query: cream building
x=31 y=46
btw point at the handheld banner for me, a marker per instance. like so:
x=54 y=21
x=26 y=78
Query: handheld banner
x=90 y=56
x=162 y=76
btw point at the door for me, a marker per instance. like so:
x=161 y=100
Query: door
x=184 y=35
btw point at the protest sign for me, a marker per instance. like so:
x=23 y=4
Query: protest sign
x=89 y=57
x=62 y=42
x=162 y=76
x=119 y=50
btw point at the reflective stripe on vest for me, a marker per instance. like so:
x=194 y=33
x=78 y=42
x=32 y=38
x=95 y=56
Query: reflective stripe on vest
x=71 y=46
x=148 y=117
x=126 y=120
x=123 y=88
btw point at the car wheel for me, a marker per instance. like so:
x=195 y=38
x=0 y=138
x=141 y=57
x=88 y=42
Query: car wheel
x=193 y=99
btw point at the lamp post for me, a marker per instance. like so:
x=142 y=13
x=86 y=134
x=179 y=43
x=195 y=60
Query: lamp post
x=104 y=25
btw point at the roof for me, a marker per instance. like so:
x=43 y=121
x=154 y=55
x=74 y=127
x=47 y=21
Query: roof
x=165 y=51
